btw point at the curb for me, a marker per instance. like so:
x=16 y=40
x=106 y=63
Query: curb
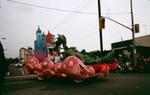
x=20 y=77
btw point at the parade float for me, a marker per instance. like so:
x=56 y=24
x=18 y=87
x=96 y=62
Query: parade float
x=73 y=64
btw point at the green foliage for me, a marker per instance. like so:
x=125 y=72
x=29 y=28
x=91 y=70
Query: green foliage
x=12 y=60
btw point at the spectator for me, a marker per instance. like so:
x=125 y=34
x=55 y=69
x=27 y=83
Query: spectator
x=147 y=65
x=57 y=57
x=50 y=54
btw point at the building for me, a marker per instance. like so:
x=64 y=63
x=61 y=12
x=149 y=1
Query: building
x=142 y=45
x=23 y=52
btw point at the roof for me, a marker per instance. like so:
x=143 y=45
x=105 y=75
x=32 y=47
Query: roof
x=143 y=41
x=139 y=41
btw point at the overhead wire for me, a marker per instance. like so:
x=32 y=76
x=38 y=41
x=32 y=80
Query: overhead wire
x=67 y=18
x=107 y=9
x=61 y=10
x=64 y=21
x=71 y=12
x=71 y=15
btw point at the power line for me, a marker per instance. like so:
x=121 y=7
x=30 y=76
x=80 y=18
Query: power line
x=32 y=5
x=62 y=10
x=119 y=13
x=66 y=20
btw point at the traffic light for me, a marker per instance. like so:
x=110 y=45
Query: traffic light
x=137 y=28
x=101 y=22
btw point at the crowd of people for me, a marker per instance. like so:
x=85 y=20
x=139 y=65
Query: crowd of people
x=125 y=62
x=144 y=61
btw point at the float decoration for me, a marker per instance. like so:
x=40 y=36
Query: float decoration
x=75 y=64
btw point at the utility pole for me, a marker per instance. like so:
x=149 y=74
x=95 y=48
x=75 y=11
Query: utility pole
x=100 y=30
x=133 y=33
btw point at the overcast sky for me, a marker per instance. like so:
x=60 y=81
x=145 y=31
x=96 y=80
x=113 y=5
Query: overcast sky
x=76 y=19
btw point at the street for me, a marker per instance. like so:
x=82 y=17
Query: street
x=115 y=84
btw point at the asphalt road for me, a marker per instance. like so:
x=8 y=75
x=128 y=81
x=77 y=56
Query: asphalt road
x=116 y=84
